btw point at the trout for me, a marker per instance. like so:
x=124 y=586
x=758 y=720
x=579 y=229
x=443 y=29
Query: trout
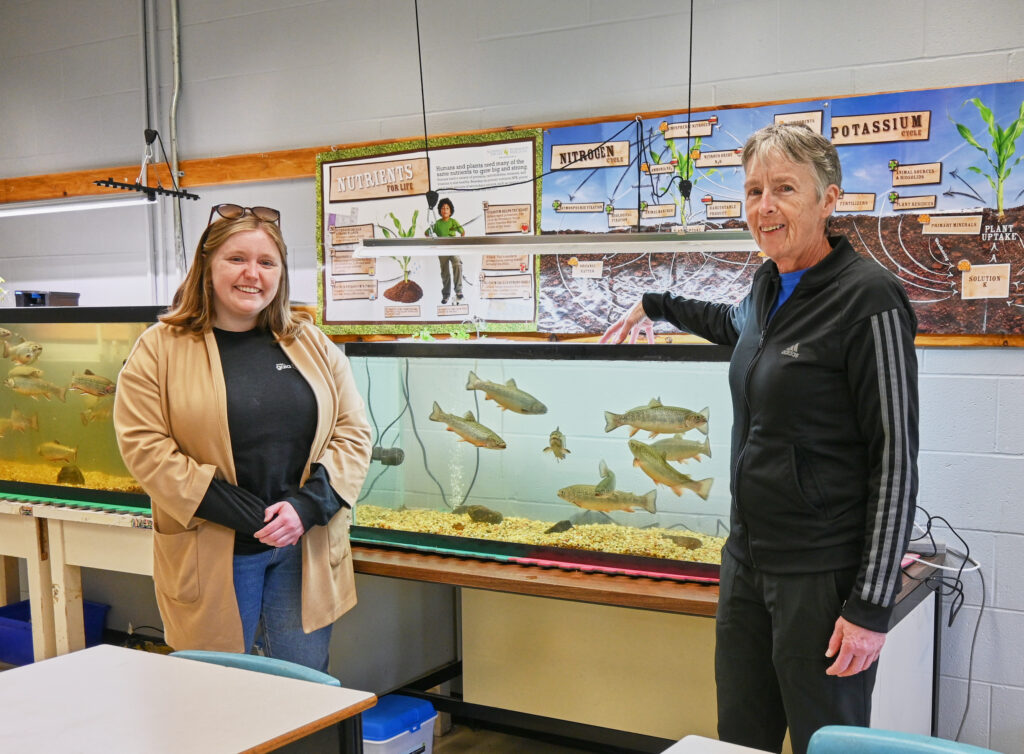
x=654 y=465
x=468 y=428
x=508 y=396
x=658 y=419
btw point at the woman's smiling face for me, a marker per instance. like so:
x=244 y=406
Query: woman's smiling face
x=245 y=272
x=784 y=212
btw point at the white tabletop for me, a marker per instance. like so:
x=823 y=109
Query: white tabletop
x=111 y=699
x=701 y=745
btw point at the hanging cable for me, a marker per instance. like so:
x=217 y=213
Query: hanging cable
x=639 y=162
x=686 y=185
x=432 y=195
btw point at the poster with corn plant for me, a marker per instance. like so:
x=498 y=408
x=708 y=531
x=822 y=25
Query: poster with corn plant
x=933 y=188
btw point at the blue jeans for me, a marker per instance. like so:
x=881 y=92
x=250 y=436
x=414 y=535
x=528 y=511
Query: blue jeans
x=268 y=587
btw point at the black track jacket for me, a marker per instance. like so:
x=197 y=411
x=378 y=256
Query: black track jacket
x=825 y=413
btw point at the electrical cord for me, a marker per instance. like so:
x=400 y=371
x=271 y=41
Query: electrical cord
x=952 y=585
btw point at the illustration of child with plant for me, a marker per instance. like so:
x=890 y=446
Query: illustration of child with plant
x=451 y=266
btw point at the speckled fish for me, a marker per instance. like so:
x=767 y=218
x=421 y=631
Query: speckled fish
x=654 y=465
x=54 y=451
x=559 y=527
x=468 y=428
x=5 y=333
x=23 y=353
x=607 y=483
x=481 y=514
x=34 y=387
x=587 y=496
x=18 y=422
x=556 y=445
x=100 y=409
x=508 y=396
x=676 y=448
x=658 y=419
x=22 y=423
x=91 y=384
x=24 y=371
x=687 y=543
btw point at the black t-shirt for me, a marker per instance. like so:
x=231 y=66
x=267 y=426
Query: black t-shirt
x=272 y=416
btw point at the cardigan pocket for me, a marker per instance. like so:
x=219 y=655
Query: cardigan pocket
x=176 y=565
x=338 y=543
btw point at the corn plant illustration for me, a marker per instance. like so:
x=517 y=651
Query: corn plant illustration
x=406 y=290
x=1002 y=150
x=685 y=165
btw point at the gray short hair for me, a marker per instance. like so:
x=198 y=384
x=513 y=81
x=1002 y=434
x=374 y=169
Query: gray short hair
x=799 y=144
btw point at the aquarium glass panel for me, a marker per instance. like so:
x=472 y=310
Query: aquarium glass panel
x=576 y=453
x=59 y=379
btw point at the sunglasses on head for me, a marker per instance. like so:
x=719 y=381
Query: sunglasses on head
x=235 y=211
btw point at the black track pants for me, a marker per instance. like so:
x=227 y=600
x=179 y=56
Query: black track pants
x=771 y=635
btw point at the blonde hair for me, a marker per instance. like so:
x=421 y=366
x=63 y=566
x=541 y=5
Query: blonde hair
x=192 y=308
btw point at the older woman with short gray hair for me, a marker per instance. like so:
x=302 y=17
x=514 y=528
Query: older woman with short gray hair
x=824 y=453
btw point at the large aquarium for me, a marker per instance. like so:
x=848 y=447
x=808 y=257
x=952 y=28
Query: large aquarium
x=59 y=375
x=611 y=457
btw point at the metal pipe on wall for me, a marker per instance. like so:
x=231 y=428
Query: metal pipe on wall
x=179 y=244
x=154 y=219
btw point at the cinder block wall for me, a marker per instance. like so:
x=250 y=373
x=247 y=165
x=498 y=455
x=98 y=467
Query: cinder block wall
x=279 y=74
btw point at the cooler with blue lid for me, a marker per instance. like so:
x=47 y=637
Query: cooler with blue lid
x=399 y=725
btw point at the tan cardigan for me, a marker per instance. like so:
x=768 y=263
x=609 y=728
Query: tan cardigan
x=170 y=414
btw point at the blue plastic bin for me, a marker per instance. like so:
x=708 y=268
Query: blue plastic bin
x=399 y=725
x=16 y=630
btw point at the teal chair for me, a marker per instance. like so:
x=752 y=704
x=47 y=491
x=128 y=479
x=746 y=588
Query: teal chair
x=350 y=732
x=845 y=739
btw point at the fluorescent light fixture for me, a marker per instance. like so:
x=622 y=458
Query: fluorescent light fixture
x=575 y=243
x=72 y=205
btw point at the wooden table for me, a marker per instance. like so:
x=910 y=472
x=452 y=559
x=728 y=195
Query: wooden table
x=111 y=699
x=22 y=535
x=57 y=542
x=662 y=595
x=702 y=745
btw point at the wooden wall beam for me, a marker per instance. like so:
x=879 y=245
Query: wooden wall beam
x=280 y=165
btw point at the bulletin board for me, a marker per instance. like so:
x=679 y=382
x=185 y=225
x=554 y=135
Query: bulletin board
x=378 y=192
x=932 y=191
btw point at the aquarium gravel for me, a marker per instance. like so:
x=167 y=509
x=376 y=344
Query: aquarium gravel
x=611 y=538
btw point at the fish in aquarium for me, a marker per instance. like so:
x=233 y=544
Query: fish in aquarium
x=468 y=428
x=556 y=445
x=587 y=496
x=508 y=396
x=481 y=514
x=689 y=543
x=607 y=483
x=54 y=451
x=24 y=371
x=34 y=387
x=5 y=333
x=91 y=384
x=654 y=465
x=18 y=422
x=558 y=528
x=678 y=448
x=658 y=419
x=605 y=498
x=70 y=474
x=23 y=353
x=97 y=409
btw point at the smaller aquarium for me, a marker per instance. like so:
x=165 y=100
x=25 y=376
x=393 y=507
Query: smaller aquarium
x=608 y=457
x=59 y=377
